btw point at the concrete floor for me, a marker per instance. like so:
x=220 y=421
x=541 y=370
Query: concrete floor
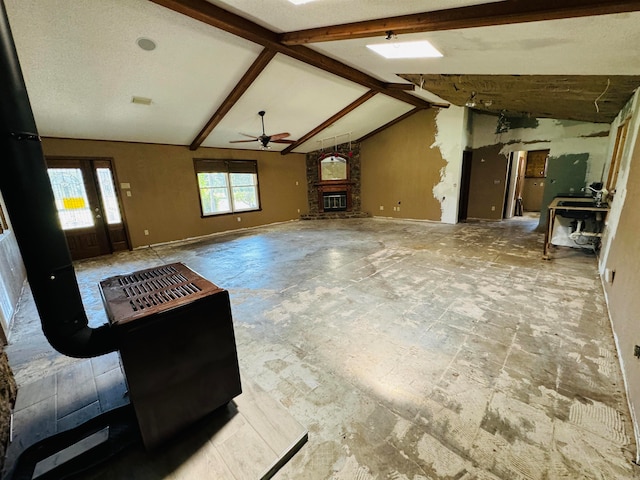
x=409 y=350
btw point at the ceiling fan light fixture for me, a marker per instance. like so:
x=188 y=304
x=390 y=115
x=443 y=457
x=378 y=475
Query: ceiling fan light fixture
x=418 y=49
x=264 y=140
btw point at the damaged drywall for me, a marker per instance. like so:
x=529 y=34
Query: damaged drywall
x=577 y=150
x=565 y=175
x=452 y=137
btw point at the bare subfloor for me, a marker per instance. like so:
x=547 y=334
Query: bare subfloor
x=409 y=350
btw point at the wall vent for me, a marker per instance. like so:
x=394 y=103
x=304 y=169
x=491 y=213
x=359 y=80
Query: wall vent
x=141 y=100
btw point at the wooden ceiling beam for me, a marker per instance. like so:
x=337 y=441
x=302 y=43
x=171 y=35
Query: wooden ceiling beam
x=349 y=108
x=409 y=87
x=389 y=124
x=224 y=20
x=245 y=82
x=484 y=15
x=229 y=22
x=328 y=64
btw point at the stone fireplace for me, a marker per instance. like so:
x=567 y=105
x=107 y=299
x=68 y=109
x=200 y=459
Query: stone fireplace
x=333 y=183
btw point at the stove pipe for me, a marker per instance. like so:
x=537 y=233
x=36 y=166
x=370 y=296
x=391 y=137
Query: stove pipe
x=27 y=193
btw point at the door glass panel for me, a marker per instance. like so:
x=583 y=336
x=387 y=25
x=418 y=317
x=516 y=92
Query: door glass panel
x=71 y=198
x=109 y=198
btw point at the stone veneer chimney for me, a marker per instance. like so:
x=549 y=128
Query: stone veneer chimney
x=350 y=151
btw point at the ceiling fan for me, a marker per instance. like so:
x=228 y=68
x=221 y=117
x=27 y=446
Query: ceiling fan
x=264 y=139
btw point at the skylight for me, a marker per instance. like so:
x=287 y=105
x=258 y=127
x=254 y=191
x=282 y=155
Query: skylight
x=419 y=49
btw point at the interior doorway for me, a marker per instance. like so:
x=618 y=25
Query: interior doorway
x=465 y=182
x=515 y=184
x=88 y=205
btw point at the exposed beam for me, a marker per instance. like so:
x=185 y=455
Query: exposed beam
x=410 y=87
x=224 y=20
x=349 y=108
x=311 y=57
x=389 y=124
x=245 y=82
x=486 y=14
x=217 y=17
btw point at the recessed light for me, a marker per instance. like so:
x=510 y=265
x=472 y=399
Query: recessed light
x=419 y=49
x=146 y=44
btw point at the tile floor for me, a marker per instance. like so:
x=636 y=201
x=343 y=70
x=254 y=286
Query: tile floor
x=409 y=350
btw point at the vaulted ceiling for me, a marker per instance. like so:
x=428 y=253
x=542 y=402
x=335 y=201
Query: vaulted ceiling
x=218 y=63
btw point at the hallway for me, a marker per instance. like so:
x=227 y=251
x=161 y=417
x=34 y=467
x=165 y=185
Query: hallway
x=409 y=350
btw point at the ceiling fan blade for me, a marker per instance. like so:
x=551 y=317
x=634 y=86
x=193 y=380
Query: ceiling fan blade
x=243 y=141
x=283 y=141
x=279 y=136
x=250 y=136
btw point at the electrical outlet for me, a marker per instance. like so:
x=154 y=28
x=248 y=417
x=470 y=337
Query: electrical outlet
x=298 y=210
x=493 y=208
x=381 y=207
x=398 y=208
x=239 y=219
x=146 y=232
x=128 y=193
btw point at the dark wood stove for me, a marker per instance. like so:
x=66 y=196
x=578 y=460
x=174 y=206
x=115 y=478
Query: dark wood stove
x=175 y=336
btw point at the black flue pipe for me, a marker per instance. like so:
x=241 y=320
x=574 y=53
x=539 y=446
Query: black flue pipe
x=29 y=200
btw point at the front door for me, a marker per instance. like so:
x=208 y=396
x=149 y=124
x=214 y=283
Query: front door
x=88 y=206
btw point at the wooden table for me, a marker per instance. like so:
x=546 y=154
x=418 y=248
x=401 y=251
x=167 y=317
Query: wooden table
x=557 y=204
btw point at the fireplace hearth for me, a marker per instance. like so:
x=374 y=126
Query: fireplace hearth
x=333 y=183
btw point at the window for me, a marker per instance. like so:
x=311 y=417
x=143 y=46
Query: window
x=227 y=186
x=71 y=198
x=109 y=197
x=3 y=220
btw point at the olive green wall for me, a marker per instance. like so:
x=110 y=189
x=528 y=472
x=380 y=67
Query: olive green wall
x=164 y=193
x=564 y=138
x=400 y=170
x=565 y=174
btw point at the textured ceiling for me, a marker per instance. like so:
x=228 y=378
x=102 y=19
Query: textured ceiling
x=82 y=67
x=588 y=98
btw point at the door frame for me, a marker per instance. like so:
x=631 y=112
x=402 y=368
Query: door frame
x=91 y=161
x=465 y=185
